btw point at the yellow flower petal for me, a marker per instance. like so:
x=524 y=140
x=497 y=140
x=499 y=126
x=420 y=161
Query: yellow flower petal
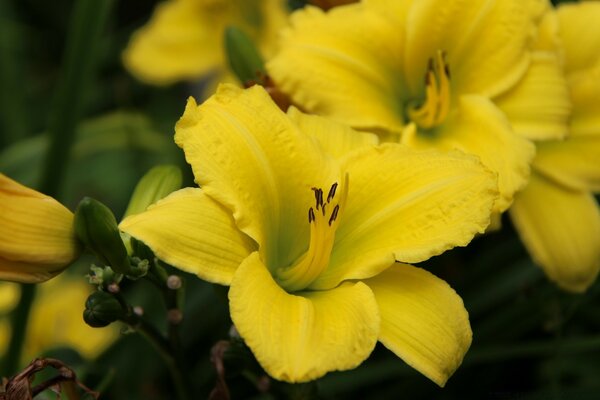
x=342 y=64
x=190 y=231
x=479 y=128
x=37 y=240
x=574 y=162
x=580 y=33
x=408 y=206
x=184 y=38
x=584 y=87
x=336 y=139
x=423 y=320
x=486 y=42
x=539 y=106
x=560 y=229
x=242 y=149
x=297 y=338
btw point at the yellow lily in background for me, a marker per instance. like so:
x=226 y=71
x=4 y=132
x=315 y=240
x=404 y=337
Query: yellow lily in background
x=311 y=241
x=556 y=215
x=37 y=239
x=184 y=38
x=428 y=73
x=56 y=319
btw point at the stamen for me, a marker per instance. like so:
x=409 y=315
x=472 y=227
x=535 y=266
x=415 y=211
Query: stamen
x=436 y=105
x=334 y=214
x=318 y=197
x=332 y=192
x=311 y=215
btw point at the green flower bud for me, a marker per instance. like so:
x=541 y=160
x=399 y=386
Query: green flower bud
x=101 y=309
x=96 y=227
x=243 y=56
x=156 y=184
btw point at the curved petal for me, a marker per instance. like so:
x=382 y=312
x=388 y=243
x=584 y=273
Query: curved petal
x=479 y=128
x=181 y=41
x=560 y=229
x=423 y=320
x=336 y=139
x=407 y=206
x=585 y=94
x=580 y=33
x=192 y=232
x=486 y=42
x=343 y=64
x=184 y=39
x=539 y=106
x=574 y=163
x=37 y=239
x=297 y=338
x=247 y=155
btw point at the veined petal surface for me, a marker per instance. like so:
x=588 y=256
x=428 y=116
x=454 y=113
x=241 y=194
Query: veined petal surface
x=478 y=127
x=423 y=320
x=300 y=337
x=486 y=42
x=37 y=239
x=192 y=232
x=560 y=228
x=248 y=155
x=336 y=139
x=539 y=106
x=584 y=87
x=408 y=206
x=344 y=64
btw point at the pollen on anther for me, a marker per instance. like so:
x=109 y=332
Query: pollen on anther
x=334 y=214
x=318 y=197
x=331 y=193
x=311 y=215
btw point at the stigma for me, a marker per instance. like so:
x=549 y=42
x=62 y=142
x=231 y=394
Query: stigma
x=434 y=109
x=323 y=217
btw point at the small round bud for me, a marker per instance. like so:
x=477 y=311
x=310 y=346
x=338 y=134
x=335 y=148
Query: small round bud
x=114 y=288
x=101 y=309
x=138 y=310
x=173 y=282
x=174 y=316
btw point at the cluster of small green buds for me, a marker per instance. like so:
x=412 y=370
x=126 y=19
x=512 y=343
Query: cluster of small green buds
x=101 y=309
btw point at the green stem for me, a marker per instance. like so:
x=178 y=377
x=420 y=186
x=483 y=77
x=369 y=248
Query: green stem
x=19 y=319
x=162 y=346
x=86 y=24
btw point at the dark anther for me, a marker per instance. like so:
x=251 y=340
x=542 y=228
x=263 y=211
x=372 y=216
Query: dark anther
x=323 y=209
x=430 y=65
x=447 y=70
x=318 y=197
x=334 y=214
x=332 y=192
x=311 y=215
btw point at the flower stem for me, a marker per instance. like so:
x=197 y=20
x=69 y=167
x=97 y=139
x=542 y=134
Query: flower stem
x=86 y=23
x=162 y=346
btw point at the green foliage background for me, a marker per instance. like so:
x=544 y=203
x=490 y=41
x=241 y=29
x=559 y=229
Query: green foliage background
x=531 y=341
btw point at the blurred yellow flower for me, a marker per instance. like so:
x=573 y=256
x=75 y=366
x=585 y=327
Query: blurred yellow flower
x=37 y=239
x=428 y=73
x=184 y=38
x=556 y=215
x=56 y=319
x=307 y=221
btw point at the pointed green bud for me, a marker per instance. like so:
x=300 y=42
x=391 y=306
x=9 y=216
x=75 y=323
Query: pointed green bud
x=243 y=56
x=96 y=227
x=101 y=309
x=156 y=184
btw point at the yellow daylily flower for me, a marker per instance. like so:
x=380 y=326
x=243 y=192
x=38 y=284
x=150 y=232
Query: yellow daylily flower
x=184 y=38
x=56 y=319
x=310 y=242
x=429 y=73
x=37 y=239
x=556 y=214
